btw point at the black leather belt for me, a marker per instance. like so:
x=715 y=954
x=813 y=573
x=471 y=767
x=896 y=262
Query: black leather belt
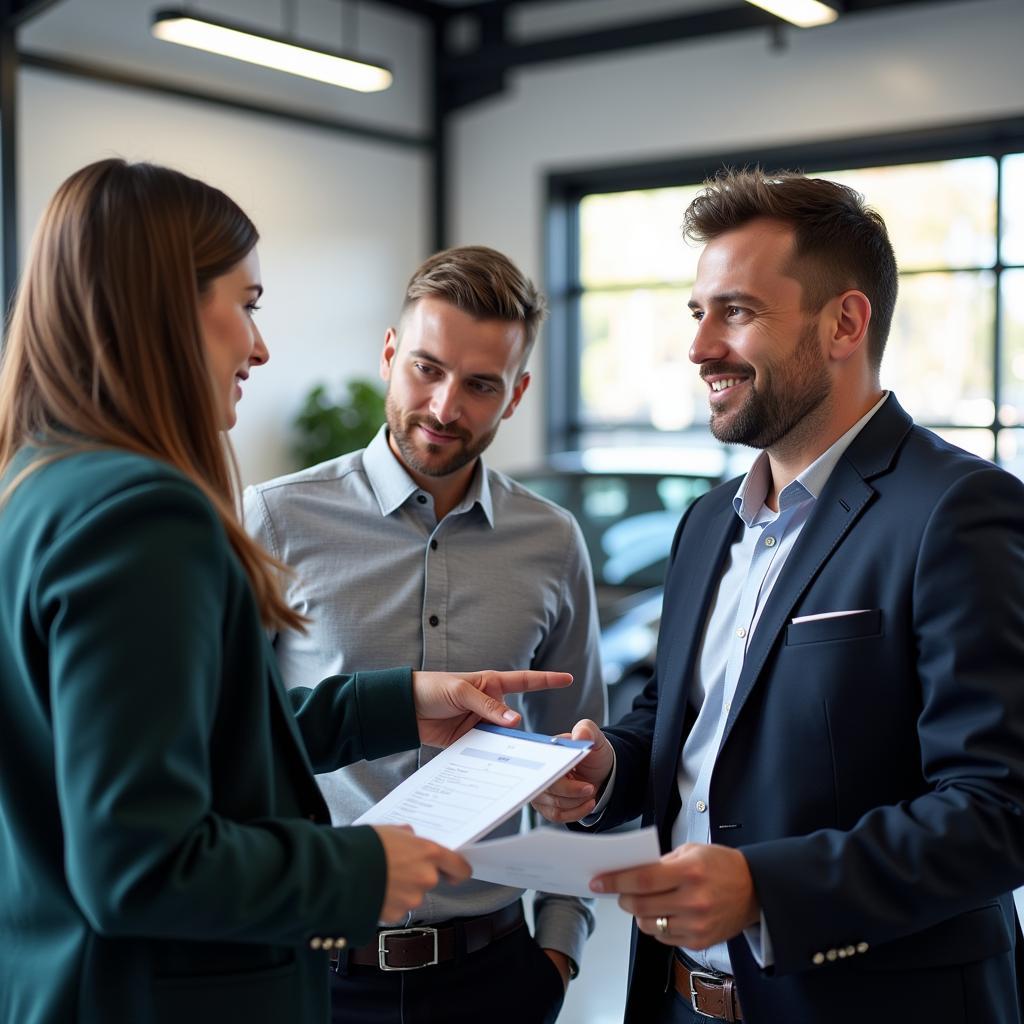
x=408 y=949
x=711 y=994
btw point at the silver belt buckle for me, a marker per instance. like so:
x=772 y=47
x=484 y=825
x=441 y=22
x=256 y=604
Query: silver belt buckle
x=382 y=952
x=707 y=977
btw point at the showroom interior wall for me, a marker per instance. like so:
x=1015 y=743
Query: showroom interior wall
x=343 y=220
x=927 y=65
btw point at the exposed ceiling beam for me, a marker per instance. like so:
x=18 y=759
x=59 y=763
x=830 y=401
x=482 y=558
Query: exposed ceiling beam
x=481 y=5
x=20 y=11
x=604 y=40
x=441 y=12
x=426 y=8
x=491 y=59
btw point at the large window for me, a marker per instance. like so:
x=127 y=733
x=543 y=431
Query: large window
x=955 y=356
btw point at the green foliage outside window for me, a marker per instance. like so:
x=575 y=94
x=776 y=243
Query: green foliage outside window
x=329 y=425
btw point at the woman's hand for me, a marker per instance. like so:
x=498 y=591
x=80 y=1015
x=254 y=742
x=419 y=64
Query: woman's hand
x=574 y=795
x=415 y=866
x=449 y=704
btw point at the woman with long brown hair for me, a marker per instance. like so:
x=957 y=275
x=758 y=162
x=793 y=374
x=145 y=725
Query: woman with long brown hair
x=165 y=854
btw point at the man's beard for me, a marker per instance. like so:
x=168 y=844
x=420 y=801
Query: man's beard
x=788 y=392
x=402 y=428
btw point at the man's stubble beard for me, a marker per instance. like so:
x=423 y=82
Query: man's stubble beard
x=401 y=429
x=789 y=395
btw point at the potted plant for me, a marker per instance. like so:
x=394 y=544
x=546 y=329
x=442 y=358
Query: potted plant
x=329 y=425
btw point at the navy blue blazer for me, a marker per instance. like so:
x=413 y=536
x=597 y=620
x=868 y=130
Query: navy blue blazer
x=872 y=767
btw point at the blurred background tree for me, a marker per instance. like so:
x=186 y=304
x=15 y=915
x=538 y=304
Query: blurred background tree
x=329 y=425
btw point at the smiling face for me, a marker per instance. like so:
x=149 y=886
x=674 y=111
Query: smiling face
x=232 y=340
x=758 y=350
x=451 y=379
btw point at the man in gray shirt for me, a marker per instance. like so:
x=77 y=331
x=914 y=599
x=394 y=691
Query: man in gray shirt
x=413 y=551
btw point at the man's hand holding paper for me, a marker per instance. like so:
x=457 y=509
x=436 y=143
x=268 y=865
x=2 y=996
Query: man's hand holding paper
x=486 y=776
x=574 y=795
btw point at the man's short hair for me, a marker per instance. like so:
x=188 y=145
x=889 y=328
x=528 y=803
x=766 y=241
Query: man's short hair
x=483 y=283
x=840 y=242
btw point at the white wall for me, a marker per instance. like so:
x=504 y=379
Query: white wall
x=342 y=223
x=881 y=72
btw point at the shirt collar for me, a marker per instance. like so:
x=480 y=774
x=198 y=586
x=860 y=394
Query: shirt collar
x=752 y=492
x=393 y=486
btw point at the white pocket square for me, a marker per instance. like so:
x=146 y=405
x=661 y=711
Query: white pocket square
x=827 y=615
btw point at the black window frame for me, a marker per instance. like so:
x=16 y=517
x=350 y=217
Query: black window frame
x=566 y=188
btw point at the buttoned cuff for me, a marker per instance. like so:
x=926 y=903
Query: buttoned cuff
x=563 y=923
x=759 y=940
x=609 y=787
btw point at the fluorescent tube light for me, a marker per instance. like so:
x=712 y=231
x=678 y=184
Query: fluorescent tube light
x=202 y=33
x=802 y=13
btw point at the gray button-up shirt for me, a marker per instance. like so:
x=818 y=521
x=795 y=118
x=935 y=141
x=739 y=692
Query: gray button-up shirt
x=503 y=581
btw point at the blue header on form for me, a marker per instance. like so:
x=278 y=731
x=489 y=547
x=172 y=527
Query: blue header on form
x=534 y=737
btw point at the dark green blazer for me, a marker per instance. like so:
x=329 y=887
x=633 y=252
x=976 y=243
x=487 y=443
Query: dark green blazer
x=165 y=855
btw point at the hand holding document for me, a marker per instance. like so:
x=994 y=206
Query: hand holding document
x=484 y=778
x=475 y=784
x=561 y=862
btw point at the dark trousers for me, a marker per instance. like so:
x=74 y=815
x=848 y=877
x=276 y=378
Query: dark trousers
x=675 y=1009
x=511 y=981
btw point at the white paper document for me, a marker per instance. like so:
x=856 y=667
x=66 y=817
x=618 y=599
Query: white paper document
x=560 y=862
x=472 y=786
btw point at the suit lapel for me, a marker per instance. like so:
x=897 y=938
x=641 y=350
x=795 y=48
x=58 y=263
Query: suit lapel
x=692 y=589
x=842 y=501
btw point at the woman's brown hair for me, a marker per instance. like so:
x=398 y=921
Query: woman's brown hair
x=104 y=348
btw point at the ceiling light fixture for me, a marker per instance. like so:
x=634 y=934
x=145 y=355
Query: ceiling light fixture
x=204 y=33
x=802 y=13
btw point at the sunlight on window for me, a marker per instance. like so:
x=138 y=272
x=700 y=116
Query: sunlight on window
x=1012 y=408
x=939 y=356
x=977 y=442
x=1013 y=209
x=939 y=215
x=1011 y=451
x=635 y=366
x=635 y=331
x=635 y=238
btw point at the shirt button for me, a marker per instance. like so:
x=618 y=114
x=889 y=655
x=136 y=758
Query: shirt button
x=769 y=542
x=728 y=706
x=741 y=632
x=433 y=620
x=421 y=498
x=433 y=545
x=701 y=806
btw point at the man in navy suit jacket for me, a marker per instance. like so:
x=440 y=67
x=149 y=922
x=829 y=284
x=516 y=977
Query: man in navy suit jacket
x=832 y=745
